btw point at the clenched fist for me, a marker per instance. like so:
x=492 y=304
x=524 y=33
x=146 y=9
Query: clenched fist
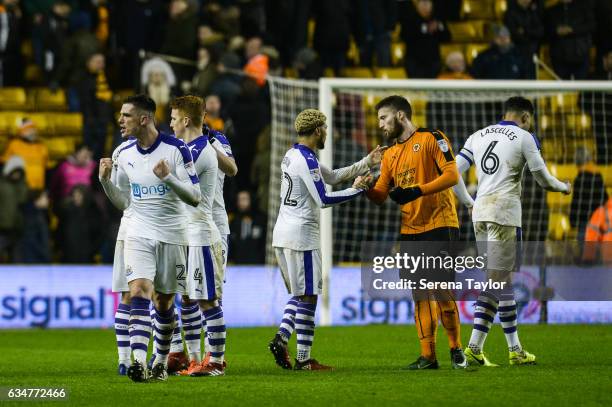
x=161 y=169
x=106 y=166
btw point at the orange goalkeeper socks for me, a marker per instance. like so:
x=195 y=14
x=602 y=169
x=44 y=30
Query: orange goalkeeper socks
x=426 y=318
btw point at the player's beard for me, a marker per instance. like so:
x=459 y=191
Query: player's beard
x=396 y=131
x=320 y=143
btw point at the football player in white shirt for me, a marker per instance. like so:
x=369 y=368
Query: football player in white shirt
x=296 y=237
x=120 y=284
x=500 y=152
x=205 y=259
x=155 y=175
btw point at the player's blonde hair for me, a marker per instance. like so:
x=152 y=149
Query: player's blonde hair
x=191 y=106
x=308 y=120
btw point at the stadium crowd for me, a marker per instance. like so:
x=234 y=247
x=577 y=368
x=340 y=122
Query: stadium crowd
x=102 y=50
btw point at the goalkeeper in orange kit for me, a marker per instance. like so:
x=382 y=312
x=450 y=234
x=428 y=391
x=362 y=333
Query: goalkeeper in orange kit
x=417 y=172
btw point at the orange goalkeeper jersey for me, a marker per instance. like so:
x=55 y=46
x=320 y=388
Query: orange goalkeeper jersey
x=419 y=160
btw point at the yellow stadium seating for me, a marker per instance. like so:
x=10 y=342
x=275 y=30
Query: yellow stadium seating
x=578 y=124
x=500 y=9
x=46 y=100
x=564 y=102
x=468 y=31
x=398 y=50
x=357 y=72
x=60 y=147
x=390 y=73
x=606 y=173
x=472 y=51
x=478 y=10
x=67 y=124
x=564 y=171
x=558 y=226
x=13 y=99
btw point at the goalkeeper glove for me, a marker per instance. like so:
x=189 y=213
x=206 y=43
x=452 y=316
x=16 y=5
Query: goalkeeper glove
x=405 y=195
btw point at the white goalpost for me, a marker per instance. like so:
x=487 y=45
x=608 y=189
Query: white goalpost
x=572 y=119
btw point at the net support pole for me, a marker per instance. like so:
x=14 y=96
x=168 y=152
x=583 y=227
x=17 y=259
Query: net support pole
x=326 y=157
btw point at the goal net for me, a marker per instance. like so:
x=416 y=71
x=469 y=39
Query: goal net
x=573 y=122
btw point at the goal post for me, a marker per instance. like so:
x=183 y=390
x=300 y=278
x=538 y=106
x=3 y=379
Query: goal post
x=570 y=117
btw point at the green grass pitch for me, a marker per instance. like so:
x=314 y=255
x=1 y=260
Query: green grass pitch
x=574 y=369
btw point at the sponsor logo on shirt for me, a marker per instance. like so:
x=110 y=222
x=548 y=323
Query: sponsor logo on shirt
x=149 y=191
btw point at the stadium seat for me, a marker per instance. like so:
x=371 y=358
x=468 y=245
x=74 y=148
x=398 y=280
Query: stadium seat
x=357 y=72
x=60 y=147
x=467 y=31
x=447 y=48
x=500 y=9
x=46 y=100
x=606 y=173
x=67 y=124
x=472 y=51
x=290 y=73
x=578 y=124
x=478 y=10
x=564 y=171
x=558 y=226
x=564 y=102
x=398 y=50
x=13 y=99
x=33 y=74
x=390 y=73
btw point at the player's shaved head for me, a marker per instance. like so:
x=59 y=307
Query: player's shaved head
x=141 y=102
x=397 y=103
x=518 y=104
x=190 y=106
x=308 y=120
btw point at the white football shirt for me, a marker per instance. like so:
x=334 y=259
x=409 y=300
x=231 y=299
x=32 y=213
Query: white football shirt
x=157 y=212
x=127 y=212
x=499 y=153
x=221 y=143
x=202 y=230
x=303 y=192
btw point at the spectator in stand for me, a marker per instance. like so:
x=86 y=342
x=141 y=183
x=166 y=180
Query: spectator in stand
x=227 y=83
x=33 y=247
x=213 y=118
x=158 y=82
x=78 y=230
x=11 y=24
x=34 y=153
x=136 y=25
x=75 y=54
x=501 y=60
x=250 y=113
x=589 y=191
x=570 y=25
x=332 y=32
x=53 y=32
x=377 y=20
x=207 y=72
x=181 y=39
x=455 y=67
x=526 y=30
x=307 y=64
x=247 y=233
x=95 y=98
x=422 y=31
x=13 y=194
x=603 y=32
x=75 y=170
x=604 y=70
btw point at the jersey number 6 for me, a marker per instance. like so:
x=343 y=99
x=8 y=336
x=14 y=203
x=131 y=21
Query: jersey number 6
x=490 y=161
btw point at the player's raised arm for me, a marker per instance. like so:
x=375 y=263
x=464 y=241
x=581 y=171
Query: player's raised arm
x=337 y=176
x=116 y=190
x=464 y=160
x=186 y=183
x=311 y=175
x=537 y=166
x=225 y=158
